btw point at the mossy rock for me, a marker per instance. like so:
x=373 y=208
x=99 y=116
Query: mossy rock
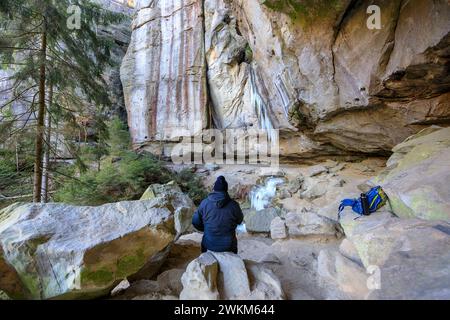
x=416 y=181
x=148 y=194
x=306 y=12
x=161 y=190
x=58 y=251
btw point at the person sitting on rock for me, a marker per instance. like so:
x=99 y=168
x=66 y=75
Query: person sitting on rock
x=218 y=216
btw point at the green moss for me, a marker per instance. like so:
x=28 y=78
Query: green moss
x=28 y=274
x=107 y=273
x=130 y=264
x=348 y=224
x=32 y=283
x=297 y=117
x=305 y=12
x=399 y=207
x=419 y=206
x=148 y=194
x=33 y=244
x=97 y=277
x=425 y=207
x=373 y=251
x=248 y=54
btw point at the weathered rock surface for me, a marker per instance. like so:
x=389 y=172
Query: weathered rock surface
x=315 y=71
x=120 y=288
x=183 y=205
x=164 y=71
x=290 y=188
x=302 y=224
x=407 y=258
x=418 y=175
x=357 y=99
x=310 y=223
x=319 y=184
x=228 y=67
x=233 y=279
x=348 y=250
x=226 y=276
x=343 y=278
x=200 y=279
x=264 y=284
x=120 y=33
x=63 y=251
x=259 y=221
x=167 y=286
x=278 y=229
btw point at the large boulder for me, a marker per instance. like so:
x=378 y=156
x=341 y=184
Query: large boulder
x=233 y=280
x=63 y=251
x=310 y=223
x=418 y=175
x=264 y=284
x=406 y=258
x=166 y=286
x=342 y=277
x=278 y=229
x=200 y=279
x=258 y=221
x=183 y=205
x=226 y=276
x=303 y=224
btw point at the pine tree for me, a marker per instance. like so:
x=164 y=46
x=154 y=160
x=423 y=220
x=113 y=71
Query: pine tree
x=37 y=43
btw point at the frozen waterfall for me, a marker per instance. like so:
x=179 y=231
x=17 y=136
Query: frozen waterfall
x=261 y=196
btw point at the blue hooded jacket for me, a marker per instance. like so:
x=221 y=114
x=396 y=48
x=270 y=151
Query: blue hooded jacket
x=218 y=216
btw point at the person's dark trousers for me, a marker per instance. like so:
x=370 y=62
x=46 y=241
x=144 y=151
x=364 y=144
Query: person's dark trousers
x=204 y=249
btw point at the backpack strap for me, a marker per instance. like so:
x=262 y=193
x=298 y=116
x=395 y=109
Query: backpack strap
x=345 y=203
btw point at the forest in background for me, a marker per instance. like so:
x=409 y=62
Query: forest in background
x=60 y=139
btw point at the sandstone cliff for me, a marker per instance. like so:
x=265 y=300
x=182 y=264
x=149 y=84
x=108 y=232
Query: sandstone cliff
x=163 y=73
x=317 y=72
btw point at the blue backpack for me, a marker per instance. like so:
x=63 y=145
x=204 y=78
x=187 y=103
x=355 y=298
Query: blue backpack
x=375 y=196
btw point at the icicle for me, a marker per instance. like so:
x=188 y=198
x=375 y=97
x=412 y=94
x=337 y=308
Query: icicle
x=261 y=108
x=261 y=196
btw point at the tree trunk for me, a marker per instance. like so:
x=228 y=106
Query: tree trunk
x=40 y=121
x=17 y=156
x=48 y=126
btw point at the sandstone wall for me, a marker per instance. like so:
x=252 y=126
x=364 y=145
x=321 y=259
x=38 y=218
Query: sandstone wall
x=310 y=68
x=164 y=71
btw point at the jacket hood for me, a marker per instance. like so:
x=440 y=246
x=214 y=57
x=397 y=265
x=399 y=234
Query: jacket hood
x=220 y=198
